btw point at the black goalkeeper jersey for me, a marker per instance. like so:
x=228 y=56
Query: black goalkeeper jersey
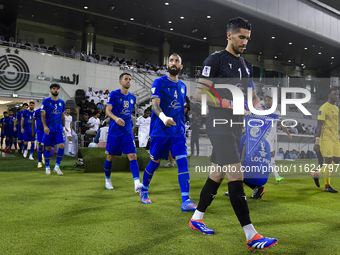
x=224 y=68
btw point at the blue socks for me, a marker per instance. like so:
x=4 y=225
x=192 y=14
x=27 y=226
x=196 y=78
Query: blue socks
x=60 y=155
x=107 y=168
x=134 y=169
x=25 y=146
x=47 y=155
x=148 y=173
x=183 y=176
x=32 y=148
x=40 y=149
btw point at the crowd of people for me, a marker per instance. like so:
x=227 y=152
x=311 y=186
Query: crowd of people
x=132 y=65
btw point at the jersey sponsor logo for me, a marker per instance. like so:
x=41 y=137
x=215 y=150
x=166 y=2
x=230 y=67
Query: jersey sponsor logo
x=175 y=104
x=206 y=71
x=262 y=152
x=125 y=111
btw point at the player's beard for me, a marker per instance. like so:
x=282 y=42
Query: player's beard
x=55 y=93
x=237 y=50
x=173 y=72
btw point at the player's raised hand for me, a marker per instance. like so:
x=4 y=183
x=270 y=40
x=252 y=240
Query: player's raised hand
x=46 y=130
x=170 y=122
x=120 y=122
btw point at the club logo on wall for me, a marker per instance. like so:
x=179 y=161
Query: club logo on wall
x=14 y=72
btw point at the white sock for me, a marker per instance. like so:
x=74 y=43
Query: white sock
x=250 y=231
x=137 y=182
x=198 y=215
x=273 y=165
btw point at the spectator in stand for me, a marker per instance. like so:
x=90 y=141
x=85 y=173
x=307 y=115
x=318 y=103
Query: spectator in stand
x=293 y=129
x=84 y=109
x=310 y=130
x=94 y=122
x=114 y=63
x=89 y=94
x=185 y=76
x=73 y=51
x=293 y=155
x=103 y=132
x=92 y=105
x=2 y=40
x=101 y=107
x=142 y=69
x=11 y=42
x=43 y=48
x=303 y=129
x=84 y=124
x=281 y=153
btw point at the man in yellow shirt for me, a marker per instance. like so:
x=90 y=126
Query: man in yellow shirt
x=327 y=138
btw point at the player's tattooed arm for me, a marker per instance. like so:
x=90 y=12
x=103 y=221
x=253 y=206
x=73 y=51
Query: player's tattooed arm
x=155 y=106
x=168 y=121
x=109 y=113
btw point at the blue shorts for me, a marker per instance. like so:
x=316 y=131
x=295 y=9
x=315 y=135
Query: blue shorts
x=40 y=135
x=28 y=136
x=256 y=178
x=53 y=138
x=118 y=144
x=9 y=133
x=160 y=147
x=20 y=135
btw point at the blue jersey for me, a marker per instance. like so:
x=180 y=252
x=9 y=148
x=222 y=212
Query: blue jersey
x=18 y=117
x=9 y=122
x=172 y=95
x=54 y=110
x=28 y=117
x=122 y=106
x=38 y=123
x=2 y=121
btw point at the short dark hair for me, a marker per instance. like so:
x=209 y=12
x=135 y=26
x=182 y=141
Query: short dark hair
x=331 y=89
x=25 y=104
x=32 y=102
x=5 y=112
x=122 y=75
x=67 y=108
x=235 y=24
x=54 y=85
x=268 y=97
x=147 y=110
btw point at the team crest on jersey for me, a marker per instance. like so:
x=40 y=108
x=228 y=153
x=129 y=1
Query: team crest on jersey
x=206 y=71
x=182 y=90
x=255 y=132
x=320 y=112
x=248 y=71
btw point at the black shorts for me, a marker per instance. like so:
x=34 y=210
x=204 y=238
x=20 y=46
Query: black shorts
x=225 y=150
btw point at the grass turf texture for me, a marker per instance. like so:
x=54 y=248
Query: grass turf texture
x=75 y=214
x=94 y=159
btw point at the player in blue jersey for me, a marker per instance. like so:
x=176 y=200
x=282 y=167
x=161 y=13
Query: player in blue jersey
x=8 y=127
x=17 y=127
x=38 y=129
x=53 y=119
x=26 y=129
x=167 y=130
x=120 y=138
x=2 y=136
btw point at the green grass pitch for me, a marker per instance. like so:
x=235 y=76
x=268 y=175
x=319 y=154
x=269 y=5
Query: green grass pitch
x=75 y=214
